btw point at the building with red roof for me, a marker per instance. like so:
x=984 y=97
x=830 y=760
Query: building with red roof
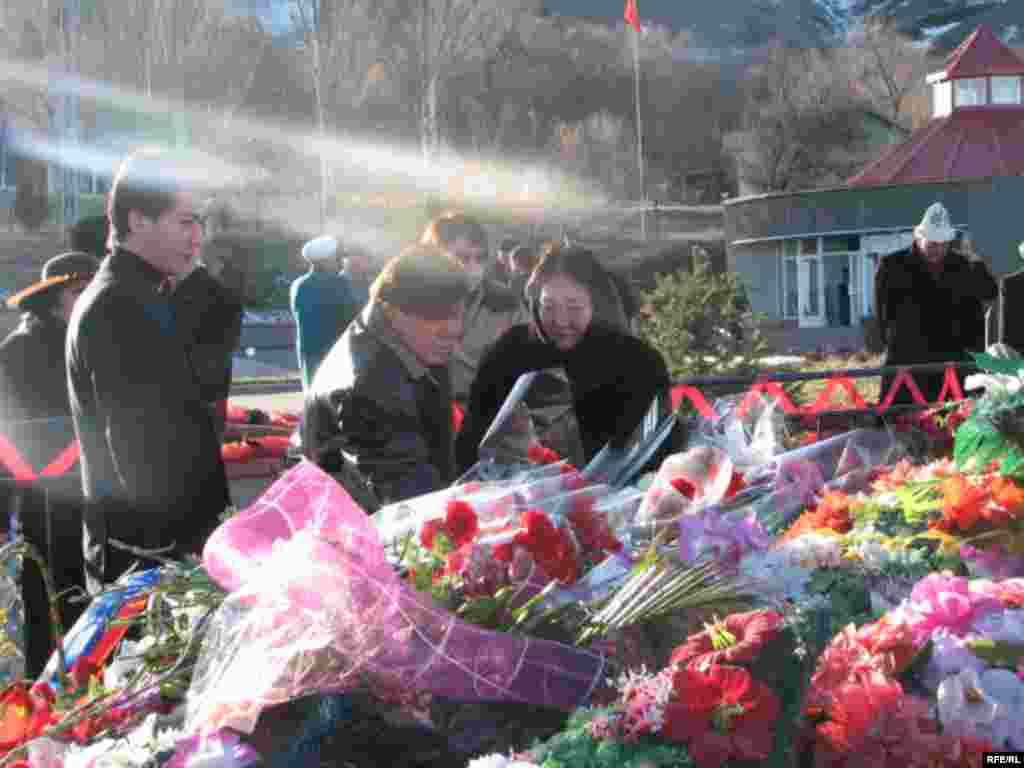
x=808 y=258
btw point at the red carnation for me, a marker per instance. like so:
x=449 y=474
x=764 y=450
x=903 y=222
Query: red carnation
x=685 y=487
x=722 y=714
x=460 y=523
x=736 y=484
x=429 y=531
x=751 y=630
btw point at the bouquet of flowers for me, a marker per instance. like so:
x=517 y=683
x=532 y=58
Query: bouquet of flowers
x=728 y=695
x=934 y=682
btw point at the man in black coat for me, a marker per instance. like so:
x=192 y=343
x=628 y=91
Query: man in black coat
x=382 y=398
x=928 y=299
x=35 y=418
x=151 y=463
x=209 y=319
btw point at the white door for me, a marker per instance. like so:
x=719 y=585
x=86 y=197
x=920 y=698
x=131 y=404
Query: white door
x=812 y=293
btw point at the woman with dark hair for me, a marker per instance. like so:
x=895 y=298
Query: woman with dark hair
x=491 y=309
x=613 y=376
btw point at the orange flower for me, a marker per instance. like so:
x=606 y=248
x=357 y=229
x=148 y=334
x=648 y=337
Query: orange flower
x=962 y=501
x=1007 y=494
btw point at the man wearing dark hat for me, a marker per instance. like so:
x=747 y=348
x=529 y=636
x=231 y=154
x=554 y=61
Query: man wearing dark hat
x=382 y=398
x=35 y=417
x=151 y=461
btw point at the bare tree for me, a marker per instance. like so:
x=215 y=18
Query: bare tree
x=443 y=37
x=888 y=68
x=344 y=40
x=802 y=125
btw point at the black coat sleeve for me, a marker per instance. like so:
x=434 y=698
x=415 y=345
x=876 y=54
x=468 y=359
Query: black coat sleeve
x=642 y=379
x=512 y=355
x=209 y=318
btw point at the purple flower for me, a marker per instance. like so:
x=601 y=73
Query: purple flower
x=725 y=537
x=950 y=656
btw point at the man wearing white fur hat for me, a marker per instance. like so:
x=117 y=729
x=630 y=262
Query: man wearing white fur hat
x=322 y=304
x=928 y=298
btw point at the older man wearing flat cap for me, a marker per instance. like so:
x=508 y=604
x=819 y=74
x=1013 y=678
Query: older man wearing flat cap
x=322 y=303
x=35 y=416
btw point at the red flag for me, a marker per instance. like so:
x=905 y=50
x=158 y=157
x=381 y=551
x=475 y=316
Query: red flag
x=632 y=15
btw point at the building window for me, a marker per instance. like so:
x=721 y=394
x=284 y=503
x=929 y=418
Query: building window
x=789 y=287
x=971 y=92
x=843 y=244
x=813 y=308
x=1006 y=90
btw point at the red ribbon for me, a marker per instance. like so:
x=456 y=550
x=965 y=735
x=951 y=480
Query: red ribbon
x=16 y=464
x=951 y=390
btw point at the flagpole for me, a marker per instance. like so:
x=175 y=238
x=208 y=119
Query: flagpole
x=639 y=130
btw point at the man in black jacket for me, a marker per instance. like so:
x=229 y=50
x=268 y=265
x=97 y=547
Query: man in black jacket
x=151 y=465
x=930 y=300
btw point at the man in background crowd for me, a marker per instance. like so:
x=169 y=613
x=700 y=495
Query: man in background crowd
x=151 y=460
x=491 y=308
x=322 y=304
x=358 y=268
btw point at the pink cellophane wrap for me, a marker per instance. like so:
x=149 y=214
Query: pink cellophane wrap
x=315 y=606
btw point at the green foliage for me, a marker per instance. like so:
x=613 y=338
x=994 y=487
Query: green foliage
x=576 y=748
x=978 y=440
x=701 y=323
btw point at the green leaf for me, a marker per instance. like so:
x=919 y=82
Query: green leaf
x=997 y=652
x=1009 y=366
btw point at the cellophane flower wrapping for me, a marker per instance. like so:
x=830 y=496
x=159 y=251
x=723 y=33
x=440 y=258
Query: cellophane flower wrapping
x=493 y=501
x=752 y=438
x=316 y=606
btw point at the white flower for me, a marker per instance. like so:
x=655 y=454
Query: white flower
x=498 y=761
x=814 y=550
x=888 y=499
x=994 y=383
x=873 y=553
x=965 y=708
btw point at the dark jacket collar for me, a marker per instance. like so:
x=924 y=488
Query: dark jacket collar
x=373 y=321
x=130 y=266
